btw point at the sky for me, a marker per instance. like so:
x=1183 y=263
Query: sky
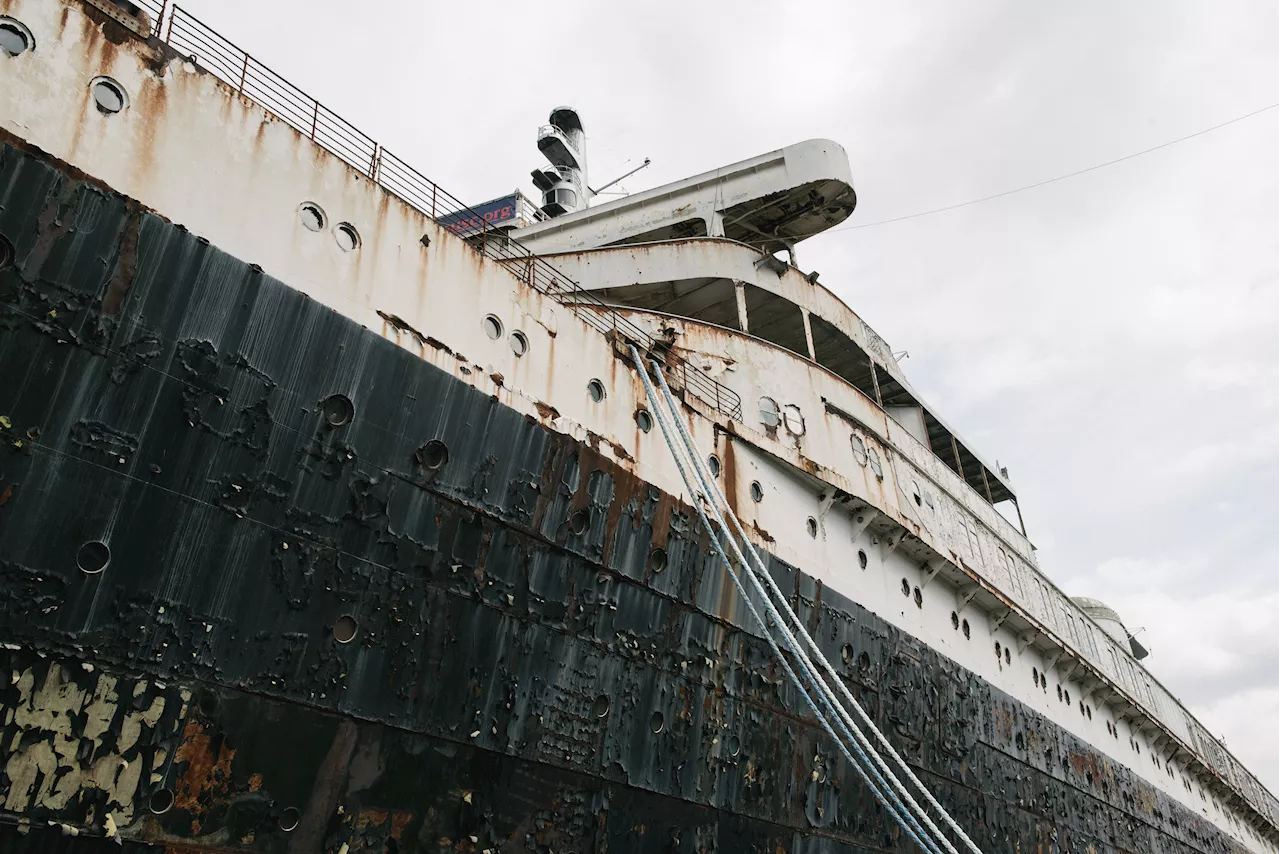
x=1113 y=338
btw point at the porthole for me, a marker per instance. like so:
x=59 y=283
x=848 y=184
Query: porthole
x=519 y=343
x=338 y=410
x=713 y=463
x=1059 y=693
x=433 y=455
x=657 y=560
x=345 y=628
x=347 y=236
x=644 y=420
x=733 y=745
x=1008 y=656
x=998 y=649
x=873 y=460
x=955 y=620
x=595 y=389
x=915 y=494
x=1066 y=696
x=906 y=587
x=859 y=449
x=757 y=491
x=1035 y=676
x=793 y=419
x=811 y=525
x=600 y=707
x=1088 y=712
x=108 y=95
x=964 y=627
x=93 y=557
x=770 y=415
x=1082 y=708
x=289 y=819
x=918 y=597
x=15 y=38
x=161 y=801
x=862 y=559
x=492 y=327
x=579 y=522
x=656 y=722
x=311 y=216
x=846 y=653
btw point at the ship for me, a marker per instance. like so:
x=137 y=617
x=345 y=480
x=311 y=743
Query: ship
x=337 y=515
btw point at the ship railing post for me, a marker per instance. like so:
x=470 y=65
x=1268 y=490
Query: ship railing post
x=484 y=236
x=315 y=119
x=244 y=72
x=164 y=7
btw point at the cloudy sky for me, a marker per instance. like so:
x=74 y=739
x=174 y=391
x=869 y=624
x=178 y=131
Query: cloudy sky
x=1111 y=338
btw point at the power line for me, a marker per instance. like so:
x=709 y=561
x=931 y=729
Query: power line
x=1059 y=178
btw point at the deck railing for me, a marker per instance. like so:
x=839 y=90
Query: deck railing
x=188 y=36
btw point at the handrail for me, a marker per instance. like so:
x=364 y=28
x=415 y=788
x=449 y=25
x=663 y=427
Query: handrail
x=192 y=38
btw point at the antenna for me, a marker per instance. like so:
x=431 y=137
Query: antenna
x=646 y=162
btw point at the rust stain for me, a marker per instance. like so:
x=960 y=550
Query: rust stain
x=208 y=771
x=6 y=495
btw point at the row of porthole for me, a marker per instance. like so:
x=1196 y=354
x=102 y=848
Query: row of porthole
x=162 y=801
x=313 y=218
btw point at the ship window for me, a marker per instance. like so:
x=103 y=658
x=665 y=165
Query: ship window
x=312 y=217
x=433 y=455
x=644 y=420
x=862 y=559
x=769 y=413
x=492 y=326
x=289 y=819
x=859 y=449
x=519 y=343
x=93 y=557
x=657 y=560
x=873 y=459
x=811 y=524
x=338 y=410
x=955 y=620
x=757 y=491
x=793 y=419
x=713 y=463
x=345 y=628
x=595 y=389
x=915 y=493
x=906 y=587
x=108 y=95
x=964 y=627
x=347 y=236
x=918 y=596
x=14 y=37
x=161 y=801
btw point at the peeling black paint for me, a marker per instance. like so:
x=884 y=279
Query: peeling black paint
x=464 y=714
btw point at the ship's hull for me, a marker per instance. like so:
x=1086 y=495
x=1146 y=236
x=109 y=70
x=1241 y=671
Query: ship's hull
x=186 y=539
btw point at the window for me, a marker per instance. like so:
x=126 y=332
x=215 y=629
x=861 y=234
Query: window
x=519 y=343
x=15 y=38
x=108 y=95
x=492 y=326
x=793 y=419
x=595 y=389
x=757 y=491
x=873 y=460
x=347 y=236
x=859 y=449
x=644 y=420
x=311 y=216
x=769 y=413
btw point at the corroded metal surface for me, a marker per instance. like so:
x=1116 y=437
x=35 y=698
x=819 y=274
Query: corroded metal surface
x=312 y=634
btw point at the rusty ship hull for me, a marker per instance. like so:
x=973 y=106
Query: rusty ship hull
x=303 y=632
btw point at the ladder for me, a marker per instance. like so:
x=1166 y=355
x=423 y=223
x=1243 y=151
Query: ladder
x=861 y=743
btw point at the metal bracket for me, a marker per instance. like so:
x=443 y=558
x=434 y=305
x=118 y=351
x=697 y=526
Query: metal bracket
x=824 y=506
x=863 y=520
x=1026 y=640
x=932 y=568
x=997 y=622
x=964 y=595
x=894 y=541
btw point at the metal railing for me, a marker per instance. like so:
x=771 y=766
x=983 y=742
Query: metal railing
x=190 y=37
